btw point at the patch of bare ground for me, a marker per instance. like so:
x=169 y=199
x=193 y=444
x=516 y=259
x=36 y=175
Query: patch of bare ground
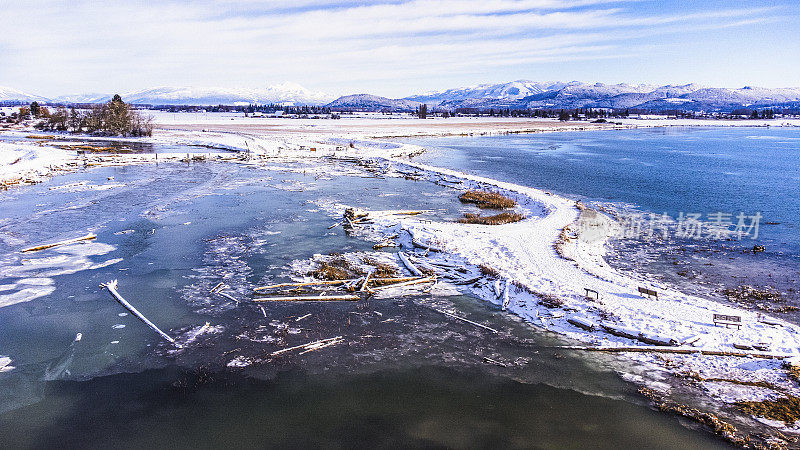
x=497 y=219
x=487 y=199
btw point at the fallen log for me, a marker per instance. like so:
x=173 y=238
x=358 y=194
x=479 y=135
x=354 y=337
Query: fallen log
x=495 y=362
x=316 y=298
x=88 y=237
x=313 y=347
x=111 y=286
x=229 y=297
x=301 y=284
x=366 y=280
x=336 y=339
x=426 y=247
x=468 y=280
x=582 y=323
x=409 y=265
x=353 y=283
x=466 y=320
x=386 y=281
x=408 y=283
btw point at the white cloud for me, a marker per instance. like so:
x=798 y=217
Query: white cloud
x=54 y=47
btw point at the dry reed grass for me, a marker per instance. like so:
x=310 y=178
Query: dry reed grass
x=497 y=219
x=487 y=200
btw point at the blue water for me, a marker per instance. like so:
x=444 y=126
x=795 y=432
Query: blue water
x=664 y=170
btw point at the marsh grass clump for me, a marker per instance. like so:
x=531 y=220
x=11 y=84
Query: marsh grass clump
x=382 y=270
x=550 y=301
x=489 y=271
x=786 y=409
x=792 y=371
x=487 y=199
x=522 y=287
x=497 y=219
x=336 y=268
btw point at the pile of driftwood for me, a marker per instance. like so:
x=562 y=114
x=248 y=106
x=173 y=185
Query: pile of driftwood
x=353 y=218
x=348 y=290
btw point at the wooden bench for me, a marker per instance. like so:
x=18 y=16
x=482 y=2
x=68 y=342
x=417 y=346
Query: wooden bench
x=648 y=292
x=592 y=291
x=723 y=319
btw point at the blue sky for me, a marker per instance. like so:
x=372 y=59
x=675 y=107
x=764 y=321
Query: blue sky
x=393 y=48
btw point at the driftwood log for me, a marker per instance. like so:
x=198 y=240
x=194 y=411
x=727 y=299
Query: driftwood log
x=111 y=286
x=88 y=237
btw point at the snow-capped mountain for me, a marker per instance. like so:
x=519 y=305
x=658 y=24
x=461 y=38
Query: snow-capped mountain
x=367 y=102
x=281 y=93
x=513 y=90
x=8 y=94
x=598 y=95
x=520 y=94
x=82 y=98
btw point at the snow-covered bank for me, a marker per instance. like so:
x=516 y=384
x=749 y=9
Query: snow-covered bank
x=525 y=252
x=25 y=163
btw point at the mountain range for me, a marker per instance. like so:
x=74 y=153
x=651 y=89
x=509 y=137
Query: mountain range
x=367 y=102
x=523 y=94
x=286 y=93
x=519 y=94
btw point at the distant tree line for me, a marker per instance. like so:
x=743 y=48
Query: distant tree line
x=115 y=118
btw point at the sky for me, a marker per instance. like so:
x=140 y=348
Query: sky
x=393 y=48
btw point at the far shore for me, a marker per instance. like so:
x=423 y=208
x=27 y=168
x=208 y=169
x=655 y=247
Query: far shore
x=396 y=126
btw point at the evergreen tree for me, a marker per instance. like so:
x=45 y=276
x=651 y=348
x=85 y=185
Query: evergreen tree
x=35 y=109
